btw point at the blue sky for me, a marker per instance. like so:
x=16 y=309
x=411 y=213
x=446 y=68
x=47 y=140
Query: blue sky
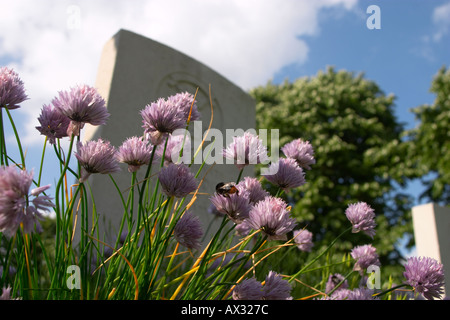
x=401 y=57
x=54 y=45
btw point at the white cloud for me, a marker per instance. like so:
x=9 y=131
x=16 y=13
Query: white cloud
x=441 y=20
x=56 y=44
x=440 y=24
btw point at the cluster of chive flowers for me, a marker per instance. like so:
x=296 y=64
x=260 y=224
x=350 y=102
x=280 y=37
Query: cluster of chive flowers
x=72 y=109
x=424 y=275
x=253 y=207
x=250 y=208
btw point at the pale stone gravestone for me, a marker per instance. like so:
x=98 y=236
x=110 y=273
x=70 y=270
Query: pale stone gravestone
x=432 y=235
x=135 y=71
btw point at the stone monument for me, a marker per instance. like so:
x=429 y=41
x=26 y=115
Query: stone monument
x=432 y=235
x=135 y=71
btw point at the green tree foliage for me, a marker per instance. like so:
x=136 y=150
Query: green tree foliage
x=429 y=143
x=359 y=155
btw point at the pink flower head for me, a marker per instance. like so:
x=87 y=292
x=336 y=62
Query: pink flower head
x=6 y=294
x=173 y=148
x=248 y=289
x=301 y=151
x=276 y=288
x=186 y=106
x=303 y=239
x=286 y=174
x=16 y=206
x=426 y=276
x=333 y=281
x=254 y=188
x=188 y=231
x=236 y=206
x=362 y=217
x=54 y=124
x=243 y=229
x=12 y=91
x=160 y=119
x=355 y=294
x=135 y=152
x=245 y=150
x=81 y=104
x=96 y=157
x=365 y=256
x=272 y=217
x=361 y=294
x=177 y=181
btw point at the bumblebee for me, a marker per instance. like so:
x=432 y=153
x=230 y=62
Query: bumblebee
x=225 y=189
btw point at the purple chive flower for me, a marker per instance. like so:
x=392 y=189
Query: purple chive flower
x=301 y=151
x=361 y=294
x=188 y=231
x=362 y=217
x=245 y=150
x=303 y=239
x=96 y=157
x=186 y=105
x=248 y=289
x=333 y=281
x=6 y=294
x=16 y=206
x=173 y=148
x=81 y=104
x=213 y=210
x=237 y=205
x=160 y=119
x=355 y=294
x=272 y=217
x=12 y=90
x=286 y=174
x=276 y=288
x=365 y=256
x=243 y=229
x=135 y=152
x=254 y=188
x=53 y=123
x=426 y=276
x=177 y=181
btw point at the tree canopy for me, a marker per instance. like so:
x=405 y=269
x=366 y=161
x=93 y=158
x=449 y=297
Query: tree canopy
x=359 y=154
x=429 y=142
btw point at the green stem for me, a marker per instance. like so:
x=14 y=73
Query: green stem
x=58 y=210
x=61 y=179
x=391 y=289
x=2 y=140
x=17 y=138
x=42 y=161
x=61 y=161
x=319 y=256
x=240 y=175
